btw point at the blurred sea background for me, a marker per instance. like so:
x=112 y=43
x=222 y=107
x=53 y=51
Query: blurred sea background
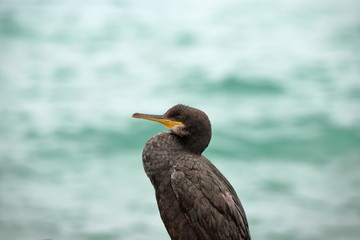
x=280 y=81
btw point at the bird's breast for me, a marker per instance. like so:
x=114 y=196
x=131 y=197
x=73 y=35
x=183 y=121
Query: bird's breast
x=158 y=155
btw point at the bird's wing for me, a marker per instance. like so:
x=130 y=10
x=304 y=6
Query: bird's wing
x=208 y=201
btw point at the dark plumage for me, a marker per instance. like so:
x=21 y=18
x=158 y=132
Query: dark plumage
x=195 y=200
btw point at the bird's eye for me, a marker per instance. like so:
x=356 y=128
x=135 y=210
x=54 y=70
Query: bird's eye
x=179 y=119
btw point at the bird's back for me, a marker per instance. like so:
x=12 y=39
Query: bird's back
x=195 y=200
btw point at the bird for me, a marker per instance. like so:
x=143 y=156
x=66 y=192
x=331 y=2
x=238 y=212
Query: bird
x=195 y=200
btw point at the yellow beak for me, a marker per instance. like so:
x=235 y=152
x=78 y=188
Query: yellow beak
x=158 y=118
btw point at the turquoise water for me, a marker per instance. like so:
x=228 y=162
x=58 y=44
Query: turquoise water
x=280 y=81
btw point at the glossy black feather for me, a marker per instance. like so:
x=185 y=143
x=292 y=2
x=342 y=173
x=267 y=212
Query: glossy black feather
x=195 y=200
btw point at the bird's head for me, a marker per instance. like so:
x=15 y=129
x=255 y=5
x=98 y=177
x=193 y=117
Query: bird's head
x=190 y=124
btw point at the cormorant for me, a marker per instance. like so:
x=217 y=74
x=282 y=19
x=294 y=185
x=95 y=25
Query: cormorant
x=196 y=202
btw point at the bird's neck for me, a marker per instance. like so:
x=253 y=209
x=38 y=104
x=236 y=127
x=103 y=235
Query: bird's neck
x=195 y=144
